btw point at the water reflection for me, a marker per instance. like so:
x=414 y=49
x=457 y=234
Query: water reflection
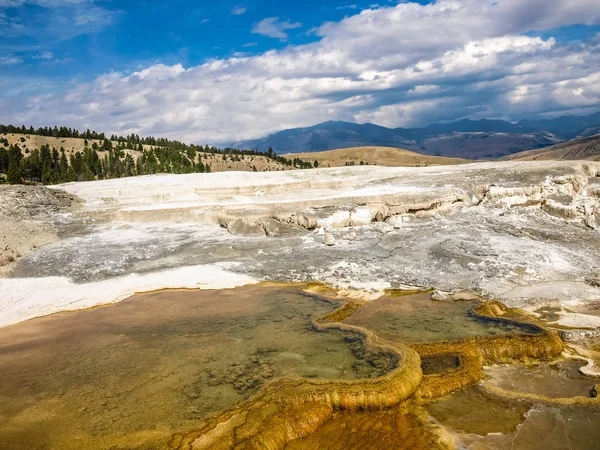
x=129 y=375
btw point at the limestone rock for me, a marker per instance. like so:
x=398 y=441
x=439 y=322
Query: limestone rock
x=464 y=295
x=561 y=210
x=590 y=221
x=439 y=296
x=523 y=256
x=360 y=216
x=339 y=219
x=243 y=228
x=328 y=239
x=425 y=214
x=350 y=236
x=395 y=221
x=593 y=279
x=275 y=228
x=384 y=228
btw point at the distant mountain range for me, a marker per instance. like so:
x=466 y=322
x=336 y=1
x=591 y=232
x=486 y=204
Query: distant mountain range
x=472 y=139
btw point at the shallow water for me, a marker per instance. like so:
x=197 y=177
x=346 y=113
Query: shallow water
x=437 y=364
x=479 y=422
x=469 y=411
x=131 y=374
x=416 y=318
x=557 y=380
x=544 y=427
x=391 y=429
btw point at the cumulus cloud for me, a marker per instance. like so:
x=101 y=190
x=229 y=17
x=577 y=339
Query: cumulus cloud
x=238 y=11
x=405 y=65
x=272 y=27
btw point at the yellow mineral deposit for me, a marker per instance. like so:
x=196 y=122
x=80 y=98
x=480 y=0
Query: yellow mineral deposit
x=268 y=367
x=382 y=411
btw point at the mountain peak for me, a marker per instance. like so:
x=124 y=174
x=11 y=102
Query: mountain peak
x=494 y=137
x=476 y=126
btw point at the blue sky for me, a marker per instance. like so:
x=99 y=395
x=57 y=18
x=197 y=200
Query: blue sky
x=73 y=39
x=226 y=70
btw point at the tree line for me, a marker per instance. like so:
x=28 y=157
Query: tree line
x=49 y=166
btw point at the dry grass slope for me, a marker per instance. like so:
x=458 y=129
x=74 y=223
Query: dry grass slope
x=29 y=142
x=262 y=163
x=382 y=156
x=71 y=145
x=585 y=149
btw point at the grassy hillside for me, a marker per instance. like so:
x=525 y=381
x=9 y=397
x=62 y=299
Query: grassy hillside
x=28 y=143
x=383 y=156
x=71 y=145
x=587 y=148
x=52 y=160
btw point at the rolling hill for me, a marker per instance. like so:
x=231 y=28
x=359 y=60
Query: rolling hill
x=465 y=139
x=471 y=139
x=586 y=148
x=217 y=162
x=383 y=156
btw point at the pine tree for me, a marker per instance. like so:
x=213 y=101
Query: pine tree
x=13 y=175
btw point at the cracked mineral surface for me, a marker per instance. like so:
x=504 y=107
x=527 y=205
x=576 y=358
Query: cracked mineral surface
x=521 y=232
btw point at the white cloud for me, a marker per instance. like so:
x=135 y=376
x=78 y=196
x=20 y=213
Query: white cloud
x=55 y=20
x=272 y=27
x=43 y=55
x=238 y=11
x=405 y=65
x=10 y=60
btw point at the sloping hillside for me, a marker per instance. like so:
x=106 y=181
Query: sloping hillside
x=586 y=148
x=383 y=156
x=217 y=162
x=246 y=164
x=33 y=141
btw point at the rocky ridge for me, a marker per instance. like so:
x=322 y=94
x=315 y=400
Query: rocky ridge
x=26 y=219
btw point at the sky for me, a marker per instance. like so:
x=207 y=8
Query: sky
x=222 y=71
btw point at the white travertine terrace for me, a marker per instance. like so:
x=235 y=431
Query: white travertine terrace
x=522 y=232
x=23 y=299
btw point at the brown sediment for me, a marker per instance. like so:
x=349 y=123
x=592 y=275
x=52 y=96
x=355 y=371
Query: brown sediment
x=473 y=411
x=340 y=314
x=290 y=409
x=440 y=363
x=286 y=412
x=294 y=410
x=541 y=399
x=469 y=371
x=227 y=402
x=397 y=428
x=132 y=374
x=404 y=292
x=534 y=344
